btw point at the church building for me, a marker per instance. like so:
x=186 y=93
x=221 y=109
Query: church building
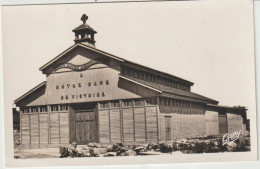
x=92 y=96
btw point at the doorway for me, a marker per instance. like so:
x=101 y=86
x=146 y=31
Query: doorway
x=85 y=126
x=168 y=127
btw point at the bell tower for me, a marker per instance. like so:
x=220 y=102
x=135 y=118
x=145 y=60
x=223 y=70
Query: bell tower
x=84 y=33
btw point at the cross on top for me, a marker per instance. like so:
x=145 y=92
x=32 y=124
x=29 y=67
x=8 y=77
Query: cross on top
x=84 y=18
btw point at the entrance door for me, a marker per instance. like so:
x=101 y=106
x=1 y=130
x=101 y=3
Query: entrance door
x=85 y=127
x=168 y=127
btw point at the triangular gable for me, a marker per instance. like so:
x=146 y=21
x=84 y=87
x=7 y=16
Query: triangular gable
x=86 y=52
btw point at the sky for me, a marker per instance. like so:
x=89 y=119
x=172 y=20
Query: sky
x=208 y=43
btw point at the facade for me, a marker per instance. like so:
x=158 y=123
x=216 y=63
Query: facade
x=93 y=96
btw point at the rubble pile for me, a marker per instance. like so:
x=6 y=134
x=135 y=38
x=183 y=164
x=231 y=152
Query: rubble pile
x=187 y=146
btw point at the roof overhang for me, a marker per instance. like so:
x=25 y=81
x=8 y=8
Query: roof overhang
x=141 y=84
x=31 y=91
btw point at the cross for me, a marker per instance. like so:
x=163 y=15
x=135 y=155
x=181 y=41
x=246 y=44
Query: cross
x=84 y=18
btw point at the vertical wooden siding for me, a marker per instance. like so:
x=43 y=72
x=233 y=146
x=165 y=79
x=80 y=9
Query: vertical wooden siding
x=39 y=129
x=128 y=124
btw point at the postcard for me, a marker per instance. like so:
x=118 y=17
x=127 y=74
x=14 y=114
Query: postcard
x=146 y=82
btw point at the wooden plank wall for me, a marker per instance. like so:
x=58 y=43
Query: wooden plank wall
x=129 y=124
x=234 y=122
x=188 y=119
x=212 y=124
x=183 y=125
x=38 y=130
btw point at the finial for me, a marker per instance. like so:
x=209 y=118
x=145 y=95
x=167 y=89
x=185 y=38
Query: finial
x=84 y=18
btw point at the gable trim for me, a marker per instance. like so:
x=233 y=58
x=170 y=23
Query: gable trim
x=73 y=47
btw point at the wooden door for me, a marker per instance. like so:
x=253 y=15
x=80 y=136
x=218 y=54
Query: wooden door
x=223 y=128
x=168 y=127
x=85 y=127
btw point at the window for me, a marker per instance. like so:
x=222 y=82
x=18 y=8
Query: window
x=139 y=102
x=54 y=108
x=34 y=109
x=104 y=105
x=25 y=110
x=138 y=74
x=114 y=104
x=151 y=101
x=64 y=107
x=128 y=103
x=43 y=109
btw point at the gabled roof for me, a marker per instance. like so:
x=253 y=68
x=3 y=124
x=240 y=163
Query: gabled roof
x=123 y=61
x=79 y=45
x=31 y=91
x=169 y=91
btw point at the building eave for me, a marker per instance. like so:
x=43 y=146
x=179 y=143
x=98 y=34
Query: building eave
x=141 y=84
x=31 y=91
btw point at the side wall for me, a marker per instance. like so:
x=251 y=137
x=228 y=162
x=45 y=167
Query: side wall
x=131 y=121
x=222 y=122
x=181 y=119
x=44 y=129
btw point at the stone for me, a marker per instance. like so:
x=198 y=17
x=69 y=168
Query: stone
x=130 y=153
x=108 y=154
x=100 y=155
x=63 y=152
x=97 y=145
x=86 y=153
x=91 y=145
x=74 y=144
x=97 y=151
x=122 y=154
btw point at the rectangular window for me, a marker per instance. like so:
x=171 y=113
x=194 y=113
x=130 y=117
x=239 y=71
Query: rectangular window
x=54 y=108
x=43 y=109
x=114 y=104
x=26 y=110
x=104 y=105
x=127 y=103
x=151 y=101
x=139 y=102
x=64 y=107
x=34 y=109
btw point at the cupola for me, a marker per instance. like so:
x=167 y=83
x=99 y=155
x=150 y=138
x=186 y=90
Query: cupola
x=84 y=33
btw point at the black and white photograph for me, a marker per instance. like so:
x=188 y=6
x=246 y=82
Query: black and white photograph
x=154 y=82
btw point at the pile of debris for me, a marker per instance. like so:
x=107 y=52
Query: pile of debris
x=107 y=150
x=187 y=146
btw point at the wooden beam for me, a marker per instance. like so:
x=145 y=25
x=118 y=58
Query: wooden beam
x=39 y=135
x=21 y=128
x=59 y=125
x=121 y=121
x=158 y=117
x=133 y=118
x=145 y=125
x=48 y=117
x=30 y=126
x=97 y=122
x=109 y=121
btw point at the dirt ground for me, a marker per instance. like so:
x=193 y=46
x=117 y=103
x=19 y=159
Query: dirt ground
x=36 y=153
